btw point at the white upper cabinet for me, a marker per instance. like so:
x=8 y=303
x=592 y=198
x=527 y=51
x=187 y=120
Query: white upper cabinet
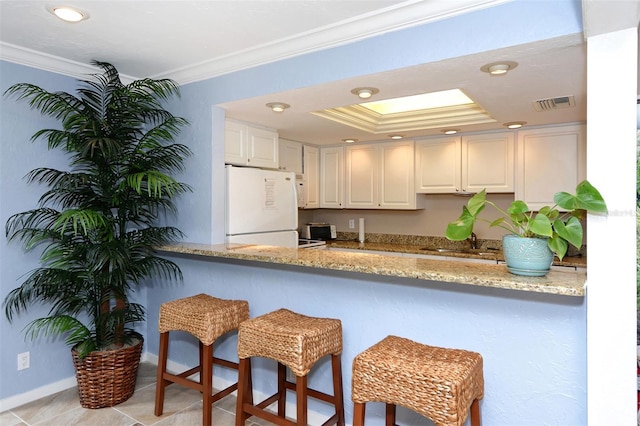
x=439 y=165
x=396 y=176
x=380 y=176
x=549 y=160
x=248 y=145
x=361 y=176
x=290 y=156
x=455 y=164
x=311 y=177
x=488 y=162
x=332 y=177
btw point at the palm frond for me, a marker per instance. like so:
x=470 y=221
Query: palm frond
x=58 y=105
x=97 y=221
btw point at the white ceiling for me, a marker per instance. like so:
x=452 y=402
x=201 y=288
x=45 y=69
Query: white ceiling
x=194 y=40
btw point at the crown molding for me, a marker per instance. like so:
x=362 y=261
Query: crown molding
x=404 y=15
x=44 y=61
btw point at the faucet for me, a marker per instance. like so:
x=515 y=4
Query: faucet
x=473 y=240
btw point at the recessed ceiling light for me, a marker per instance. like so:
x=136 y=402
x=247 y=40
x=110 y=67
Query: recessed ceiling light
x=349 y=140
x=396 y=137
x=69 y=14
x=364 y=92
x=514 y=124
x=450 y=131
x=499 y=68
x=278 y=106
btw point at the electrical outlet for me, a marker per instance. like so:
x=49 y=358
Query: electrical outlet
x=23 y=361
x=352 y=223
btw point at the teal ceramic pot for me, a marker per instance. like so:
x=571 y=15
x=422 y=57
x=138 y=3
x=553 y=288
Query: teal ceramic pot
x=527 y=256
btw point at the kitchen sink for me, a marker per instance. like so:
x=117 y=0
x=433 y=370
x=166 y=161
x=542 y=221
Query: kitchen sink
x=480 y=252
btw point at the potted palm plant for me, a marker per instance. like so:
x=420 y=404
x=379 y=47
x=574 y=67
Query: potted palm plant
x=97 y=223
x=536 y=235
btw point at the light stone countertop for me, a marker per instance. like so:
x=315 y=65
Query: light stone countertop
x=569 y=283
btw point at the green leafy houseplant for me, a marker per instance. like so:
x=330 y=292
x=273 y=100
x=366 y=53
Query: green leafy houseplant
x=97 y=222
x=561 y=228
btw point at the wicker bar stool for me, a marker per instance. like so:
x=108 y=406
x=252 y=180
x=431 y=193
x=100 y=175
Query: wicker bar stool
x=441 y=384
x=206 y=318
x=295 y=341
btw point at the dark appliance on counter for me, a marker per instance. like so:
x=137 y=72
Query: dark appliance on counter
x=318 y=231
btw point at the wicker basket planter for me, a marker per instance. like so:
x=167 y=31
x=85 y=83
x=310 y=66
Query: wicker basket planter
x=107 y=378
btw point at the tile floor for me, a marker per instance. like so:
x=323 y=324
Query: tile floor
x=182 y=406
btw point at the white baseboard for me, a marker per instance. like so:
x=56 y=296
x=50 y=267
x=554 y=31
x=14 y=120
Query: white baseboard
x=64 y=384
x=35 y=394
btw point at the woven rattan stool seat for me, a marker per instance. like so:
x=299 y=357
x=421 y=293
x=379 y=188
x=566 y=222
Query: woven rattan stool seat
x=295 y=340
x=438 y=383
x=203 y=316
x=207 y=318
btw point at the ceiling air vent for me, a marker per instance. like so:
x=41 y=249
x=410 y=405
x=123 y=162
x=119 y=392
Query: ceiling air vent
x=554 y=103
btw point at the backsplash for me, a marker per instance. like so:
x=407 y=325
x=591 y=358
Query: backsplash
x=432 y=220
x=418 y=240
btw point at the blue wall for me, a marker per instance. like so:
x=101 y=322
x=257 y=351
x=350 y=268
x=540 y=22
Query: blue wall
x=533 y=345
x=17 y=158
x=551 y=352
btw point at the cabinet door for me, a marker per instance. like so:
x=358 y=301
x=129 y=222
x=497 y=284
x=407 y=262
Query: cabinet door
x=331 y=177
x=396 y=188
x=549 y=160
x=262 y=148
x=290 y=156
x=488 y=162
x=235 y=143
x=438 y=166
x=311 y=176
x=361 y=177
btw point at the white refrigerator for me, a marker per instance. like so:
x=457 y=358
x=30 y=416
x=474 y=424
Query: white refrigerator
x=262 y=207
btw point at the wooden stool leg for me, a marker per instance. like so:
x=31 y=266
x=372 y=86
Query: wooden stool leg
x=338 y=401
x=390 y=415
x=201 y=358
x=475 y=413
x=301 y=400
x=358 y=413
x=206 y=379
x=282 y=390
x=161 y=383
x=244 y=390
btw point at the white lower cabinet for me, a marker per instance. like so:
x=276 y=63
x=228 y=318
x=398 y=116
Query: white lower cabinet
x=248 y=145
x=549 y=160
x=460 y=164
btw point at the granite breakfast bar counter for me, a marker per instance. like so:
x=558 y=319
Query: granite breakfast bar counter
x=531 y=332
x=569 y=283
